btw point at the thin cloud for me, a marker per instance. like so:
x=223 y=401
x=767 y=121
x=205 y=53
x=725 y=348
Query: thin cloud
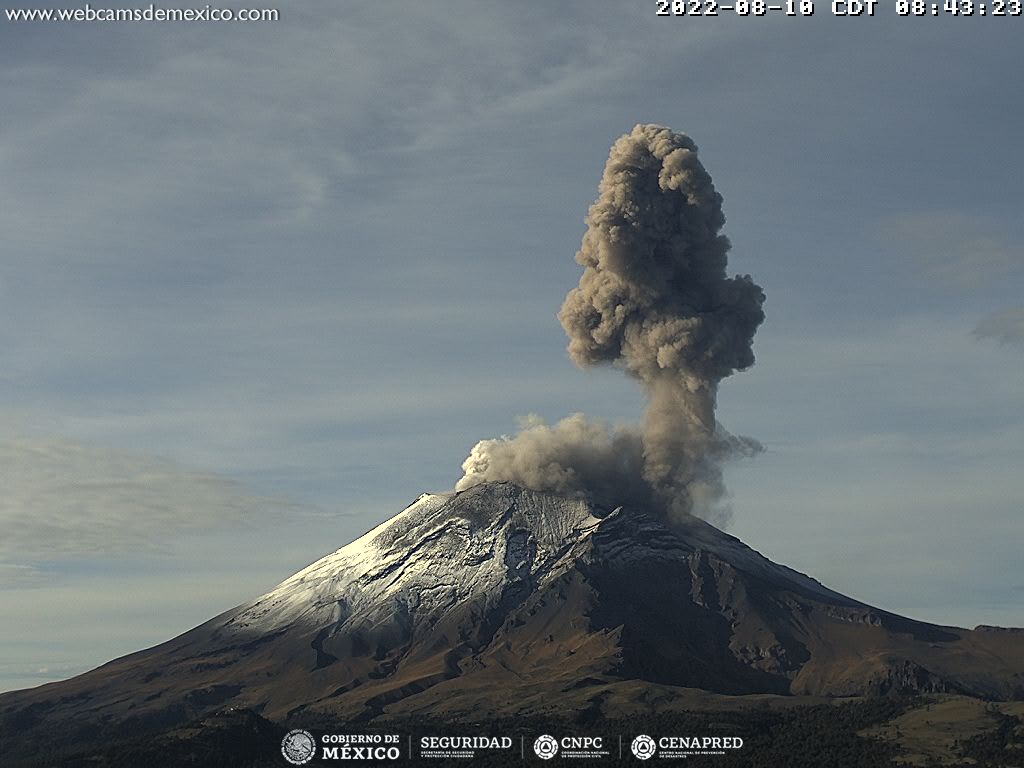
x=1006 y=327
x=21 y=575
x=954 y=248
x=65 y=499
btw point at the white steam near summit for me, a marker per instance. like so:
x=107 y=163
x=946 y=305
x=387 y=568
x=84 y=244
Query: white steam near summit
x=654 y=300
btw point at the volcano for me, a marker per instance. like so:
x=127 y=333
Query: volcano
x=499 y=600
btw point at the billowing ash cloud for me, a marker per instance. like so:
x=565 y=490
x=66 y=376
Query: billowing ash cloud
x=654 y=300
x=571 y=456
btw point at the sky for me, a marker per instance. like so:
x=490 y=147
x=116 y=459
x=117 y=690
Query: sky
x=263 y=284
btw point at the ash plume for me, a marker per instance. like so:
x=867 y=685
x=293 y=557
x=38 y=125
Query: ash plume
x=575 y=455
x=655 y=301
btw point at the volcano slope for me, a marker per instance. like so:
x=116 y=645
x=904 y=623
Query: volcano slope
x=501 y=601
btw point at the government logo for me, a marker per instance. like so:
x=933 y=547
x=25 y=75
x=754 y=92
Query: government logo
x=546 y=747
x=298 y=747
x=643 y=747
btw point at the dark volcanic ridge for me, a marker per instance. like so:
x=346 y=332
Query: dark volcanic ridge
x=500 y=601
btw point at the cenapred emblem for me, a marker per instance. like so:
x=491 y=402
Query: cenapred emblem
x=643 y=747
x=546 y=747
x=298 y=747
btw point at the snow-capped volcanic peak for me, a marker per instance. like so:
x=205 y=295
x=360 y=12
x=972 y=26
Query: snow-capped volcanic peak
x=446 y=549
x=440 y=551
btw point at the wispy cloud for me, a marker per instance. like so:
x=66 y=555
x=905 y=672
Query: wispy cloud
x=65 y=499
x=1006 y=327
x=955 y=248
x=21 y=575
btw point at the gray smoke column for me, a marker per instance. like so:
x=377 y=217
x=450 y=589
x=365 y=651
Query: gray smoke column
x=654 y=300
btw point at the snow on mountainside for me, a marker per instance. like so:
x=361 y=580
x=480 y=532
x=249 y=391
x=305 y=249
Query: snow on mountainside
x=430 y=557
x=445 y=548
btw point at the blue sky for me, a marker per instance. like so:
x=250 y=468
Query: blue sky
x=263 y=284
